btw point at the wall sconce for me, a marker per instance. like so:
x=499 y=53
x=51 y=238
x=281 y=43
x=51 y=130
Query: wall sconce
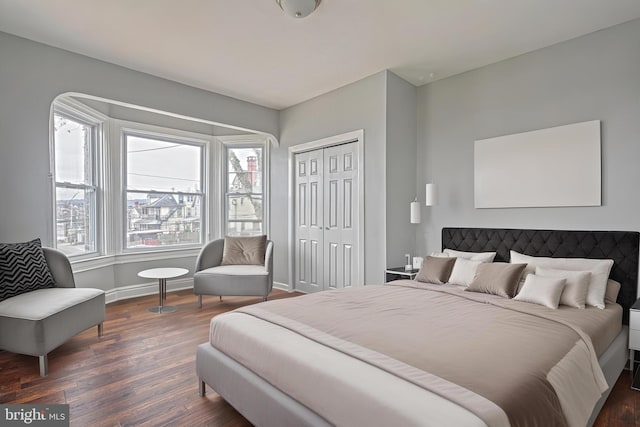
x=415 y=212
x=431 y=195
x=431 y=199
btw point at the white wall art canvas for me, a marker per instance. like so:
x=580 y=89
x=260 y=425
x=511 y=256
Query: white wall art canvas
x=559 y=166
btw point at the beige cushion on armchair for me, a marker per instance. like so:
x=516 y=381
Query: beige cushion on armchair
x=244 y=250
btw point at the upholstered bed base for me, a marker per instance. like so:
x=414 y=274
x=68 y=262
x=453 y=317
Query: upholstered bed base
x=264 y=405
x=257 y=400
x=612 y=362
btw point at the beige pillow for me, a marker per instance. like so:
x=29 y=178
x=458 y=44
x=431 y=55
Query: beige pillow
x=541 y=290
x=613 y=288
x=575 y=290
x=599 y=269
x=497 y=278
x=435 y=270
x=475 y=256
x=464 y=270
x=244 y=250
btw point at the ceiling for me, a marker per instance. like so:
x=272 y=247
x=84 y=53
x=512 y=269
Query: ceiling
x=249 y=49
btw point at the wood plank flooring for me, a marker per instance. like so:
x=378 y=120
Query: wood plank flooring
x=142 y=371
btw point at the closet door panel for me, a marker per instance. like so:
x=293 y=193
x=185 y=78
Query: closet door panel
x=340 y=202
x=308 y=217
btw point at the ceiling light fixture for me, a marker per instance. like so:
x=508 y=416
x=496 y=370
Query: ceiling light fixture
x=298 y=8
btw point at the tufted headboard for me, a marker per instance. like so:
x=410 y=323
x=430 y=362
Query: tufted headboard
x=620 y=246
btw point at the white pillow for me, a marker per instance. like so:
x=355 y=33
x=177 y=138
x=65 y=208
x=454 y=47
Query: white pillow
x=541 y=290
x=464 y=270
x=475 y=256
x=576 y=288
x=439 y=255
x=599 y=269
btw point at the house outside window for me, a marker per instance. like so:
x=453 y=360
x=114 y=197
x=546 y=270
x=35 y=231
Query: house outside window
x=244 y=194
x=75 y=149
x=164 y=181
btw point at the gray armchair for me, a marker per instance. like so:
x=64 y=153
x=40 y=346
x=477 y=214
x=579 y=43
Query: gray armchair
x=36 y=322
x=211 y=278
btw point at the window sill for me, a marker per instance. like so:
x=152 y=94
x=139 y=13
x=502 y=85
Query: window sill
x=88 y=264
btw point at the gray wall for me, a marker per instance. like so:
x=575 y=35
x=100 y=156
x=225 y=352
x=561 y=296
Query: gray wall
x=360 y=105
x=592 y=77
x=401 y=169
x=31 y=76
x=588 y=78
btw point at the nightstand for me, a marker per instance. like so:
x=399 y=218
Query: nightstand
x=397 y=273
x=634 y=341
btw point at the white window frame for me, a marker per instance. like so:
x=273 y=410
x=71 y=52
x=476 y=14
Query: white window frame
x=109 y=169
x=81 y=113
x=245 y=141
x=123 y=128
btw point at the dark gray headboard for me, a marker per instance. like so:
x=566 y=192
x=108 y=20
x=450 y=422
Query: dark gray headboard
x=620 y=246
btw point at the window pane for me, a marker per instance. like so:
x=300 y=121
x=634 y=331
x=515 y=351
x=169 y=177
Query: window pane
x=160 y=219
x=72 y=142
x=75 y=226
x=244 y=228
x=245 y=170
x=244 y=207
x=162 y=166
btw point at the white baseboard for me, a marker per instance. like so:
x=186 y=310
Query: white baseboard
x=144 y=289
x=281 y=286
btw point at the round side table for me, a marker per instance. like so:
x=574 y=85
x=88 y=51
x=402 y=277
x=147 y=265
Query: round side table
x=162 y=274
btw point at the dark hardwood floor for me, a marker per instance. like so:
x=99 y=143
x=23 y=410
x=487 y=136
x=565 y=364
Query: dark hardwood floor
x=142 y=371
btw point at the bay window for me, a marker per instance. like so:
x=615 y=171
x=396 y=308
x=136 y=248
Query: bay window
x=143 y=192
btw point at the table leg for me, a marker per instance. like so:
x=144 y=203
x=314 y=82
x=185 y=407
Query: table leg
x=161 y=284
x=635 y=376
x=162 y=295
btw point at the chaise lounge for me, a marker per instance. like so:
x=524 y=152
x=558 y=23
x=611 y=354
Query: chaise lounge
x=40 y=307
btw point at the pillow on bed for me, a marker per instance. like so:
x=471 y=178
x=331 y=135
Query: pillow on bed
x=541 y=290
x=497 y=278
x=475 y=256
x=599 y=269
x=439 y=255
x=575 y=290
x=435 y=270
x=611 y=295
x=464 y=270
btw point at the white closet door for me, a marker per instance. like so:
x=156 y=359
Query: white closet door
x=326 y=211
x=340 y=213
x=309 y=221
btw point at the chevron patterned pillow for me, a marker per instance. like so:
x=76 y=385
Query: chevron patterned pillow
x=23 y=268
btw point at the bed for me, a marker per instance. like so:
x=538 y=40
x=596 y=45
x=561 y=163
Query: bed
x=359 y=362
